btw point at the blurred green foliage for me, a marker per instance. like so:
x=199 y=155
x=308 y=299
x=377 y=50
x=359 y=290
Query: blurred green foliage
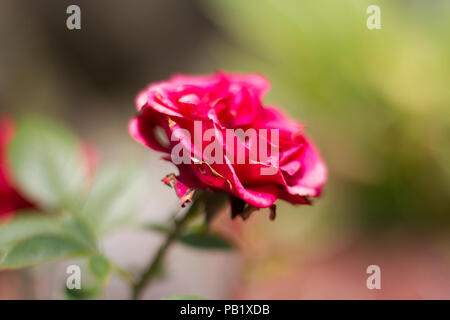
x=377 y=102
x=75 y=207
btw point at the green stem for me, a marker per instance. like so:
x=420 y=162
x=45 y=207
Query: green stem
x=124 y=275
x=152 y=270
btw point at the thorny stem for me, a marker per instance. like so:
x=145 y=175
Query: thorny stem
x=152 y=270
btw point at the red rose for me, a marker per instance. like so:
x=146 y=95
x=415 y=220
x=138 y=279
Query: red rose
x=10 y=198
x=191 y=110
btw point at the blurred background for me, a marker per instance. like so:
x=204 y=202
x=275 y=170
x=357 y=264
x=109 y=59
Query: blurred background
x=376 y=102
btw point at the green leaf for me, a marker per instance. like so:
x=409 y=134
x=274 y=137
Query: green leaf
x=205 y=240
x=80 y=230
x=26 y=224
x=42 y=248
x=100 y=267
x=199 y=237
x=48 y=163
x=118 y=194
x=180 y=297
x=81 y=294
